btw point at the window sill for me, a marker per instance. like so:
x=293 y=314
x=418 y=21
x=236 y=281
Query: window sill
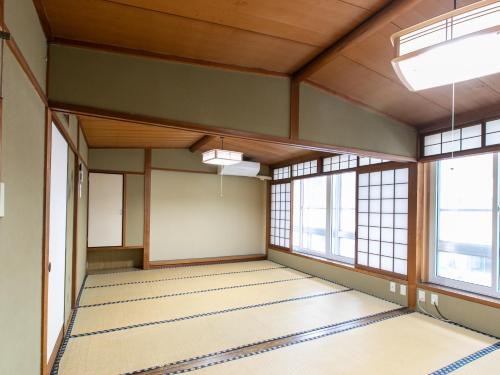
x=341 y=265
x=461 y=294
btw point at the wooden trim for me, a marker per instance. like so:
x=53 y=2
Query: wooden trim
x=124 y=209
x=268 y=216
x=112 y=171
x=57 y=345
x=211 y=260
x=460 y=294
x=174 y=124
x=391 y=277
x=16 y=51
x=165 y=57
x=415 y=222
x=425 y=183
x=45 y=240
x=74 y=263
x=147 y=208
x=182 y=170
x=294 y=108
x=201 y=142
x=367 y=28
x=44 y=19
x=113 y=248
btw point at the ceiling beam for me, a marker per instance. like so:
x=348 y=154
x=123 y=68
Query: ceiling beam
x=201 y=142
x=368 y=27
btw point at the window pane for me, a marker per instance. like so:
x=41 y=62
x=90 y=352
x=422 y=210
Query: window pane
x=464 y=215
x=309 y=215
x=344 y=215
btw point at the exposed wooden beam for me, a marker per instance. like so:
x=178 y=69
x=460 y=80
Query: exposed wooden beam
x=201 y=142
x=370 y=26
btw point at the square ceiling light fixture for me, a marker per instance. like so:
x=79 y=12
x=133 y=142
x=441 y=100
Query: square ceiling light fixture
x=457 y=46
x=221 y=156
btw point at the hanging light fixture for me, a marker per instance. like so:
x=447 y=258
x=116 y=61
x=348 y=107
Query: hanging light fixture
x=221 y=156
x=457 y=46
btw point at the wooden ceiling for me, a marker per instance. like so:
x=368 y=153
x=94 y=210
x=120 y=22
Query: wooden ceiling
x=107 y=133
x=278 y=36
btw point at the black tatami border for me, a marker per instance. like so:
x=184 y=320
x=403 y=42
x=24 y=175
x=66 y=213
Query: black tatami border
x=210 y=313
x=184 y=277
x=193 y=292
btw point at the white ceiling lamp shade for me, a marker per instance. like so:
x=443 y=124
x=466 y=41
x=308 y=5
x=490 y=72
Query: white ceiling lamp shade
x=457 y=46
x=220 y=156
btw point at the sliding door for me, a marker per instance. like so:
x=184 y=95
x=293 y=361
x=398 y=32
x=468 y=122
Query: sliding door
x=57 y=237
x=105 y=209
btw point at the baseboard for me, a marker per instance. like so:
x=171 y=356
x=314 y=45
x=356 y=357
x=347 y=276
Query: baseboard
x=201 y=261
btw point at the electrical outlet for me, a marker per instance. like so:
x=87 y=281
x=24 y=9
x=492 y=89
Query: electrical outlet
x=392 y=287
x=421 y=295
x=434 y=299
x=402 y=290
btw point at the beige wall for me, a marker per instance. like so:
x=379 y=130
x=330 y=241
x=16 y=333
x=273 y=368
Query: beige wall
x=189 y=219
x=329 y=119
x=179 y=159
x=134 y=226
x=130 y=160
x=22 y=156
x=22 y=20
x=170 y=90
x=369 y=284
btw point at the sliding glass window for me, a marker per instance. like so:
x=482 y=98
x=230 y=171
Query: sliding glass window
x=464 y=225
x=324 y=216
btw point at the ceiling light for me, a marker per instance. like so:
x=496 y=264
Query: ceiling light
x=221 y=156
x=457 y=46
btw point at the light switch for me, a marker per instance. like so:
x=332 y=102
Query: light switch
x=402 y=290
x=421 y=295
x=392 y=287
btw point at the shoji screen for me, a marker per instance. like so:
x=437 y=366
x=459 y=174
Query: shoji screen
x=280 y=215
x=382 y=235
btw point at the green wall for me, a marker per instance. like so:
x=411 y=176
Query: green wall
x=326 y=118
x=170 y=90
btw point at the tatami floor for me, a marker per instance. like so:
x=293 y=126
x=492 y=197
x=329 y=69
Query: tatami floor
x=256 y=318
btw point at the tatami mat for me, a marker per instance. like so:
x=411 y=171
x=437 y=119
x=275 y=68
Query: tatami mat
x=409 y=344
x=138 y=348
x=123 y=314
x=133 y=291
x=123 y=277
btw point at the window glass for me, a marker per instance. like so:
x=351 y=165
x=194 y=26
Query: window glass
x=309 y=220
x=343 y=214
x=465 y=189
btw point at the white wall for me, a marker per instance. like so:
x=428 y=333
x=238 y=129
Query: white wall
x=189 y=219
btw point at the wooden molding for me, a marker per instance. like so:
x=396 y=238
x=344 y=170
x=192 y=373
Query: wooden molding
x=370 y=26
x=174 y=124
x=182 y=170
x=57 y=345
x=114 y=248
x=147 y=208
x=45 y=240
x=112 y=171
x=124 y=209
x=76 y=207
x=201 y=261
x=16 y=51
x=44 y=20
x=415 y=220
x=164 y=57
x=201 y=142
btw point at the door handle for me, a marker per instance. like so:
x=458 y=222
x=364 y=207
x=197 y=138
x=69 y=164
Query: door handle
x=50 y=266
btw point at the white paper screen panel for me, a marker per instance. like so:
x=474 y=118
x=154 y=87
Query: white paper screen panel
x=281 y=173
x=340 y=162
x=466 y=138
x=105 y=209
x=280 y=215
x=305 y=168
x=382 y=233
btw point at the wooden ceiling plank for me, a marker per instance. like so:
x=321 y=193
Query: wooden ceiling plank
x=365 y=29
